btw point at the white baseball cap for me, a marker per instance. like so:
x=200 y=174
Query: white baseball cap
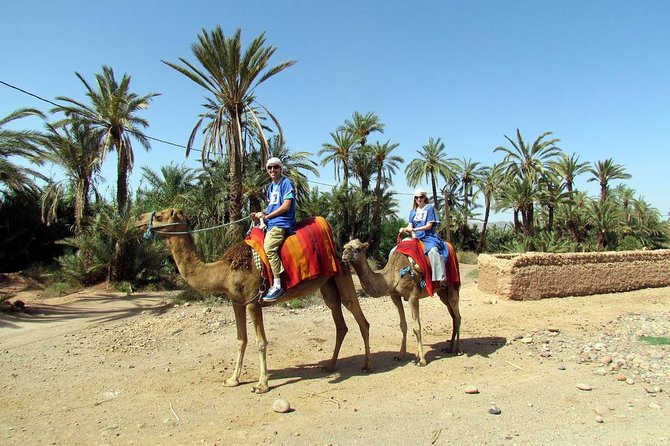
x=274 y=161
x=420 y=193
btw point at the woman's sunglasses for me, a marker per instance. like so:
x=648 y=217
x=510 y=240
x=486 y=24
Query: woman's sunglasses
x=274 y=167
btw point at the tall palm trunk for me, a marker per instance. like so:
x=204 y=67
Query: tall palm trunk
x=235 y=149
x=447 y=215
x=482 y=235
x=122 y=180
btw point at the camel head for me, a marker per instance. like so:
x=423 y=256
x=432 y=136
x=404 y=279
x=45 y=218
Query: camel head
x=352 y=249
x=164 y=222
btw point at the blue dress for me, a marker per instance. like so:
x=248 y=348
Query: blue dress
x=431 y=239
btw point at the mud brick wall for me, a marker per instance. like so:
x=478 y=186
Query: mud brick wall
x=533 y=276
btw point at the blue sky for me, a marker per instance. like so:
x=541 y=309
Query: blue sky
x=594 y=73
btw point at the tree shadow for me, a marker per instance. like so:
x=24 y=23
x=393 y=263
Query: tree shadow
x=99 y=308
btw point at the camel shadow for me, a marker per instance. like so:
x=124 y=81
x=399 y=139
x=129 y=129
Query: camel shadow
x=478 y=346
x=347 y=367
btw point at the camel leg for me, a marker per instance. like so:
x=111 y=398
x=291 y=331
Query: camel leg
x=414 y=305
x=349 y=298
x=397 y=301
x=241 y=323
x=256 y=315
x=450 y=297
x=331 y=297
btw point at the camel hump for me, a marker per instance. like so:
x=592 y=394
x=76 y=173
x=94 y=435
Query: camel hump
x=307 y=254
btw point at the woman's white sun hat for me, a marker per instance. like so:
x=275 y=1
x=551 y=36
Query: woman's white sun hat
x=420 y=193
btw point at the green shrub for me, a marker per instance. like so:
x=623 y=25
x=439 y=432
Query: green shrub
x=467 y=257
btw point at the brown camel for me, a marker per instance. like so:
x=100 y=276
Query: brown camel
x=236 y=276
x=388 y=281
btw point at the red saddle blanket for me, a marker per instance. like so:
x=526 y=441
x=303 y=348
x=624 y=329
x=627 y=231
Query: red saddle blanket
x=415 y=249
x=306 y=255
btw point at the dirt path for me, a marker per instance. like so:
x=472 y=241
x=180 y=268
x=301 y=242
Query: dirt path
x=106 y=368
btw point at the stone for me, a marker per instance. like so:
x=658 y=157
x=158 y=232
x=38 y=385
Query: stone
x=281 y=405
x=494 y=410
x=601 y=410
x=471 y=390
x=585 y=387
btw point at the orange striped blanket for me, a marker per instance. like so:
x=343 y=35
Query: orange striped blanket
x=415 y=249
x=306 y=255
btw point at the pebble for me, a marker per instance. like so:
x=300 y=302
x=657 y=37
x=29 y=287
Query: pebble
x=584 y=387
x=615 y=351
x=561 y=367
x=281 y=405
x=472 y=390
x=599 y=419
x=601 y=410
x=494 y=410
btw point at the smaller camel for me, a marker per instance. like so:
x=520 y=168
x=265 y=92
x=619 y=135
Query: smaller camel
x=390 y=281
x=236 y=276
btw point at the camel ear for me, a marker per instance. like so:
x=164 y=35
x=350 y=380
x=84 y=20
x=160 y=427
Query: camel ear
x=365 y=245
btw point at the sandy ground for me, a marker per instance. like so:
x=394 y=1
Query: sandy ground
x=105 y=368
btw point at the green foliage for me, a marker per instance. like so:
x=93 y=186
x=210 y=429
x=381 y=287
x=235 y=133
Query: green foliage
x=467 y=257
x=549 y=241
x=24 y=239
x=56 y=289
x=655 y=340
x=188 y=294
x=96 y=254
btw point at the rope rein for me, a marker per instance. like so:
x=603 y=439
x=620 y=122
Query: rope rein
x=151 y=231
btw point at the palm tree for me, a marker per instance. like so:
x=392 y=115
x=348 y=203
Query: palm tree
x=168 y=188
x=339 y=152
x=75 y=149
x=467 y=171
x=431 y=164
x=526 y=163
x=112 y=112
x=568 y=168
x=362 y=125
x=231 y=76
x=550 y=195
x=19 y=143
x=385 y=166
x=603 y=216
x=488 y=180
x=605 y=171
x=625 y=195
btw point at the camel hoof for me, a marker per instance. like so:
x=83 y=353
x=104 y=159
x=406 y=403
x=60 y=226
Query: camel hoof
x=231 y=382
x=261 y=388
x=368 y=369
x=421 y=363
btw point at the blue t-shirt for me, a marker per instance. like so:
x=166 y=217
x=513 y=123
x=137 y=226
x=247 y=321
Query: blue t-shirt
x=276 y=195
x=430 y=238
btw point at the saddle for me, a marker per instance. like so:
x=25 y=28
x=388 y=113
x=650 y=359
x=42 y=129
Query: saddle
x=306 y=255
x=414 y=249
